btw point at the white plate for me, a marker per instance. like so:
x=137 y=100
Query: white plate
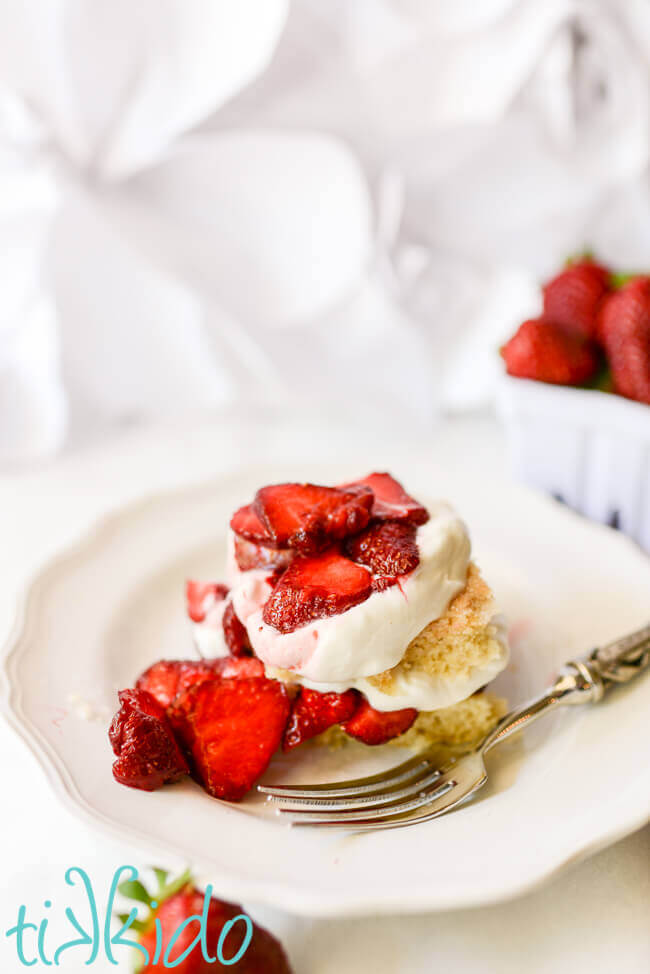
x=575 y=782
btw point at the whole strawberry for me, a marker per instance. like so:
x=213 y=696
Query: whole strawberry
x=175 y=903
x=624 y=330
x=573 y=297
x=543 y=350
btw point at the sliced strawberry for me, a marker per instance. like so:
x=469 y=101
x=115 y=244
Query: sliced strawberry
x=249 y=555
x=387 y=548
x=313 y=712
x=391 y=500
x=375 y=726
x=161 y=680
x=308 y=517
x=230 y=730
x=246 y=523
x=314 y=588
x=235 y=633
x=142 y=738
x=169 y=677
x=164 y=679
x=381 y=582
x=238 y=667
x=274 y=577
x=201 y=596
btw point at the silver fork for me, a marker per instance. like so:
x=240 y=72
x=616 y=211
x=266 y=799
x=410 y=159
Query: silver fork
x=417 y=790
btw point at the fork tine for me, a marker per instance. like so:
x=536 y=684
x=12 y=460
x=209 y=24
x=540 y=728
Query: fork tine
x=425 y=797
x=436 y=806
x=442 y=805
x=354 y=786
x=366 y=800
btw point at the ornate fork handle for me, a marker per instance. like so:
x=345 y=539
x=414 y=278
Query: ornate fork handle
x=583 y=680
x=621 y=660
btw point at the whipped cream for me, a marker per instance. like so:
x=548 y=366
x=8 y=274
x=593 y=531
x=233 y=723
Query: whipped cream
x=208 y=635
x=423 y=691
x=340 y=652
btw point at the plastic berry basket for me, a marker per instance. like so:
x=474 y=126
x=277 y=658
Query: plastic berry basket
x=588 y=448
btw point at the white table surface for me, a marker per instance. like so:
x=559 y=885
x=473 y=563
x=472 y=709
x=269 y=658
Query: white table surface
x=594 y=917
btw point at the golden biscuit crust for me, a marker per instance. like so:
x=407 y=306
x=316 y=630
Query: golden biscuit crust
x=462 y=639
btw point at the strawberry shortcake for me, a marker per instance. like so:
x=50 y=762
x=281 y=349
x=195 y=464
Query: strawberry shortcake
x=350 y=611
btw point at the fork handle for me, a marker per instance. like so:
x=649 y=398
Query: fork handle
x=582 y=680
x=619 y=661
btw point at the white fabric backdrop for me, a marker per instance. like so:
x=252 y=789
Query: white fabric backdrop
x=341 y=204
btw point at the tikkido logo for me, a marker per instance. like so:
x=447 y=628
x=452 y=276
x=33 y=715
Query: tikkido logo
x=95 y=936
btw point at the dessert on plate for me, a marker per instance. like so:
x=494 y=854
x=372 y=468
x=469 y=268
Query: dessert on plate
x=348 y=612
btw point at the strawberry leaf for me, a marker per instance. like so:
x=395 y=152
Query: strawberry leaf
x=585 y=254
x=161 y=876
x=176 y=885
x=133 y=889
x=601 y=380
x=619 y=278
x=140 y=926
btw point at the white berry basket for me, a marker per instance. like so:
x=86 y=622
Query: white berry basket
x=590 y=449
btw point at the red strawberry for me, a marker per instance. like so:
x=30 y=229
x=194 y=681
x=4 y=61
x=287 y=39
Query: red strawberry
x=177 y=905
x=313 y=712
x=274 y=577
x=381 y=582
x=264 y=955
x=142 y=738
x=387 y=548
x=167 y=677
x=391 y=500
x=235 y=633
x=201 y=596
x=545 y=351
x=250 y=555
x=314 y=588
x=238 y=667
x=230 y=730
x=376 y=726
x=247 y=524
x=309 y=517
x=624 y=327
x=572 y=298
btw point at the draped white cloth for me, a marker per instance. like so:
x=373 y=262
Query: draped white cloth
x=340 y=205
